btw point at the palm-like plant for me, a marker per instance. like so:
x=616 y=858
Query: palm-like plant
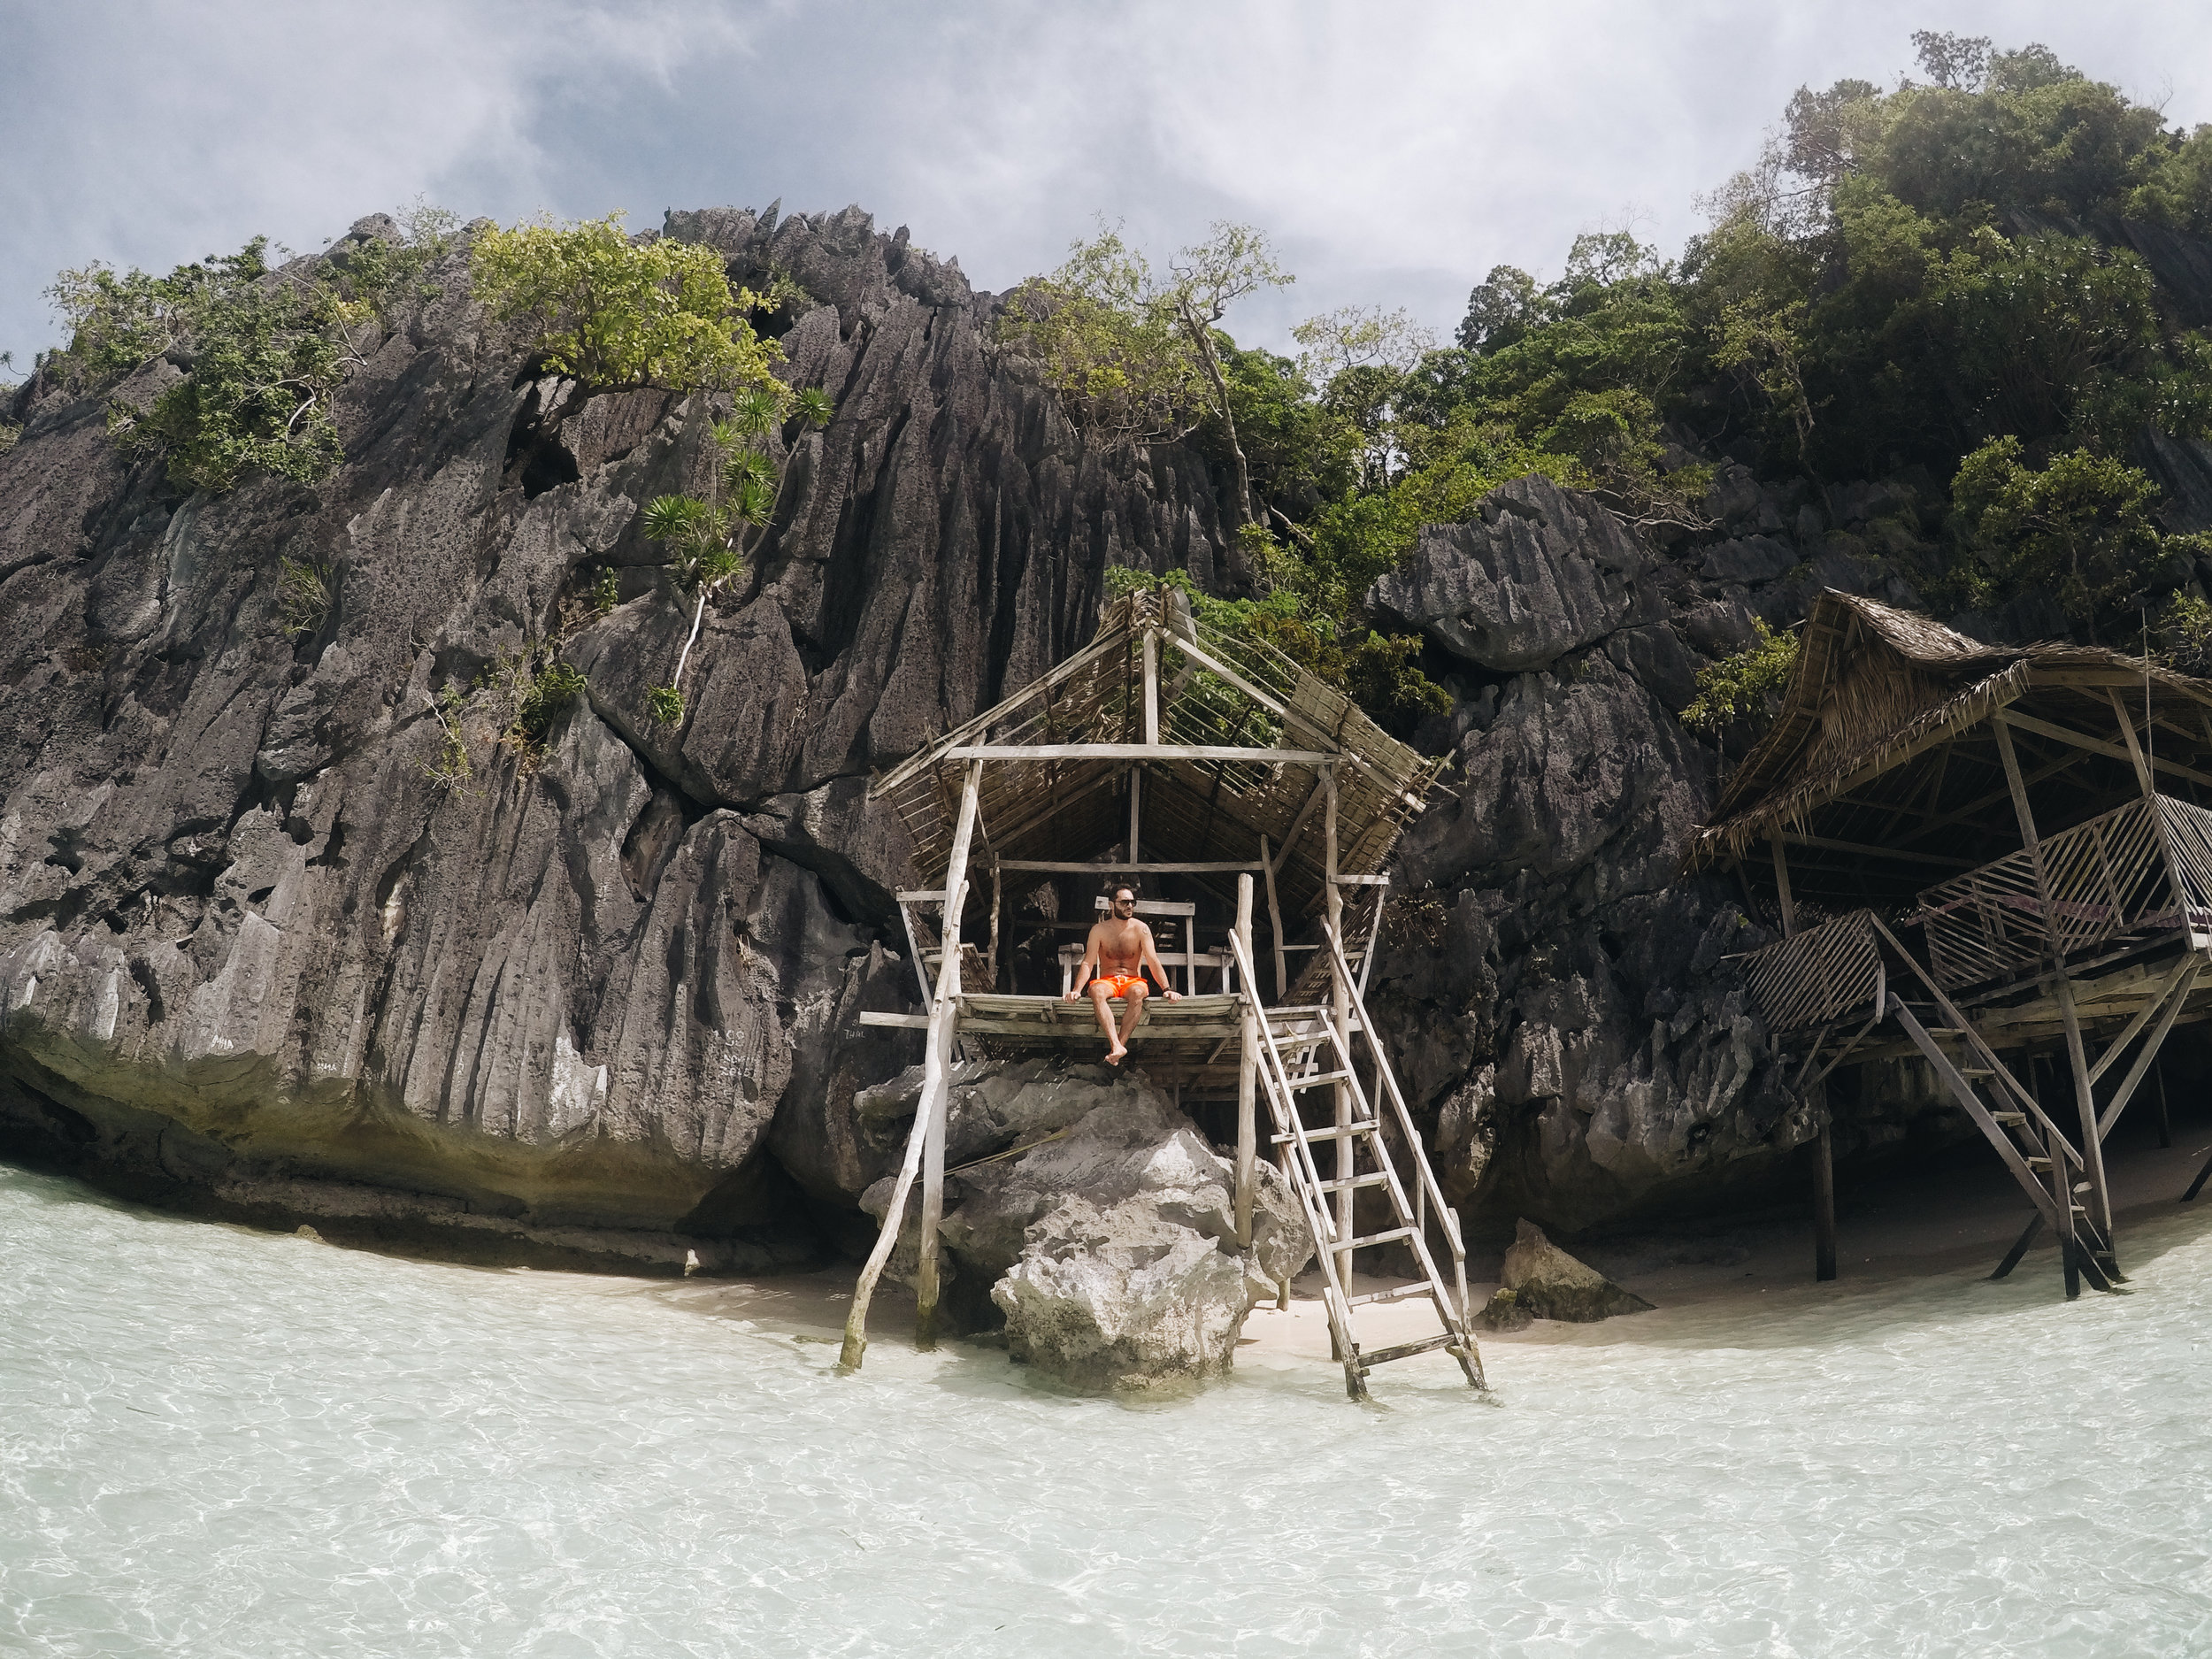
x=709 y=539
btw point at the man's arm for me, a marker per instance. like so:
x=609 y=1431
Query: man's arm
x=1151 y=959
x=1089 y=965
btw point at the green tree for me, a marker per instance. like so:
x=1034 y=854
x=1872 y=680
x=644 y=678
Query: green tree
x=613 y=310
x=1136 y=356
x=2080 y=527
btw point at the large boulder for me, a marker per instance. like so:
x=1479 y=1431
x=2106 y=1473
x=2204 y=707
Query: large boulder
x=1536 y=573
x=1550 y=1283
x=1097 y=1221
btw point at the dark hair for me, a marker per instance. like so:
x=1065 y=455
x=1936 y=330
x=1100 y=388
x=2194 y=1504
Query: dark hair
x=1120 y=887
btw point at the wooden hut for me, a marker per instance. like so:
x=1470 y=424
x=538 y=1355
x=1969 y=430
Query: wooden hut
x=1985 y=855
x=1218 y=775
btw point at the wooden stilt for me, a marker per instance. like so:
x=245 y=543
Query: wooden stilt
x=936 y=1062
x=1275 y=922
x=2165 y=1122
x=1824 y=1190
x=2077 y=1062
x=1248 y=1063
x=2197 y=1186
x=2100 y=1204
x=1816 y=1099
x=2020 y=1246
x=998 y=891
x=1340 y=1006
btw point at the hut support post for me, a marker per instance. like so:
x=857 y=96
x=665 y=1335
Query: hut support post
x=1248 y=1061
x=1341 y=1010
x=942 y=1015
x=1817 y=1098
x=2077 y=1062
x=1151 y=687
x=1275 y=921
x=1136 y=797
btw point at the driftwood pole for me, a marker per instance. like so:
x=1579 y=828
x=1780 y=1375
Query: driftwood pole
x=943 y=1014
x=1248 y=1061
x=1817 y=1098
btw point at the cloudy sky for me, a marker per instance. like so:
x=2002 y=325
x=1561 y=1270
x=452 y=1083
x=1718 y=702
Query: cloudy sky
x=1395 y=152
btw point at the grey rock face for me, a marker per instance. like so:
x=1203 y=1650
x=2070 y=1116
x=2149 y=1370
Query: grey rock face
x=1541 y=573
x=1550 y=1283
x=612 y=985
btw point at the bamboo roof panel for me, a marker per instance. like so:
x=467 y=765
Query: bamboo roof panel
x=1882 y=738
x=1059 y=806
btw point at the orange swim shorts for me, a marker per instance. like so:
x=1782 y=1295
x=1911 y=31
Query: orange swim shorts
x=1119 y=985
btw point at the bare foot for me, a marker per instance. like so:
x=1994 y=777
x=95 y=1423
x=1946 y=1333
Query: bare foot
x=1115 y=1056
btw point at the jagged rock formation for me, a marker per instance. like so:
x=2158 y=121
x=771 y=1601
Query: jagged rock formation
x=244 y=933
x=601 y=996
x=1099 y=1224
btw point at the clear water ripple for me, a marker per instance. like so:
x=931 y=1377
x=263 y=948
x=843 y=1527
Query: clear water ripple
x=219 y=1443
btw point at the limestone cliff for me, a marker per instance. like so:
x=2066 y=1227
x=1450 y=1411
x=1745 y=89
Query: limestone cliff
x=602 y=996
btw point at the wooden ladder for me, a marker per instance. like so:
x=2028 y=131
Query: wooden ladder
x=1315 y=1052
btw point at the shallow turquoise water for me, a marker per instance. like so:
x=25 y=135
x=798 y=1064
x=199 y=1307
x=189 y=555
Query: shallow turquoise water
x=216 y=1442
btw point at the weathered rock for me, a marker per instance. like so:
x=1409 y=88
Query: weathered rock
x=1542 y=573
x=1505 y=1312
x=1108 y=1244
x=1550 y=1283
x=612 y=986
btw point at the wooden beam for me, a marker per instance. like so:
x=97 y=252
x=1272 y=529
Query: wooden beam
x=2093 y=745
x=902 y=1021
x=1156 y=752
x=1155 y=868
x=1782 y=884
x=1290 y=837
x=2126 y=1091
x=1831 y=844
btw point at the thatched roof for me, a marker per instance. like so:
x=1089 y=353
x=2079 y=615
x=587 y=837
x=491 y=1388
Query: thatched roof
x=1882 y=741
x=1194 y=811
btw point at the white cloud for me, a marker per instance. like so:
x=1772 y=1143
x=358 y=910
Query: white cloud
x=1394 y=152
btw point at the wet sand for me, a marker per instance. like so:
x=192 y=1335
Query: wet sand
x=1711 y=1283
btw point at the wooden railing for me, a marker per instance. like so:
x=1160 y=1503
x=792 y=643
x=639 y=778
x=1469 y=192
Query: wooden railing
x=1818 y=976
x=2112 y=888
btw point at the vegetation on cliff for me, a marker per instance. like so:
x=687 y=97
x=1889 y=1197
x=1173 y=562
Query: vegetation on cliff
x=1937 y=280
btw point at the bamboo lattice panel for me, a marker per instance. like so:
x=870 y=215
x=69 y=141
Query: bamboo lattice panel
x=2111 y=888
x=1818 y=976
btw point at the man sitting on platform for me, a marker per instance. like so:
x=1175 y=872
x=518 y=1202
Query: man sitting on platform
x=1120 y=949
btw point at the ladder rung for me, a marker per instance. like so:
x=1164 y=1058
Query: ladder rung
x=1396 y=1292
x=1374 y=1238
x=2010 y=1118
x=1976 y=1070
x=1318 y=1078
x=1332 y=1132
x=1341 y=1186
x=1407 y=1350
x=2039 y=1163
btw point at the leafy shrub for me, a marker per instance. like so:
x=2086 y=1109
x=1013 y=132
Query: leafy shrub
x=1741 y=684
x=612 y=312
x=263 y=351
x=306 y=591
x=666 y=704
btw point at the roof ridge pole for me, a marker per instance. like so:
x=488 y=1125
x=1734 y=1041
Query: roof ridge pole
x=2077 y=1061
x=1816 y=1098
